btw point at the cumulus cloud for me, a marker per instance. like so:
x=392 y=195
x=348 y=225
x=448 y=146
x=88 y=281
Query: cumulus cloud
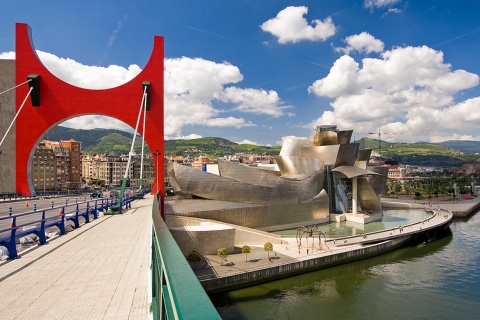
x=290 y=26
x=248 y=142
x=88 y=77
x=254 y=101
x=191 y=87
x=409 y=91
x=96 y=121
x=362 y=43
x=195 y=92
x=7 y=55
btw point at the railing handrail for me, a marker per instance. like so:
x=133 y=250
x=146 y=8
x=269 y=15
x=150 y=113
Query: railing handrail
x=179 y=292
x=38 y=225
x=21 y=214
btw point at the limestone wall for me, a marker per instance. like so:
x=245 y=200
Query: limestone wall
x=7 y=113
x=242 y=235
x=206 y=239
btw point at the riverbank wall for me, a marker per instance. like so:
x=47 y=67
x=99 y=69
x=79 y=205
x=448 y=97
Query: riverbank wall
x=299 y=266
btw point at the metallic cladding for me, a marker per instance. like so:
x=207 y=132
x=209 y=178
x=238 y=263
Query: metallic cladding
x=344 y=136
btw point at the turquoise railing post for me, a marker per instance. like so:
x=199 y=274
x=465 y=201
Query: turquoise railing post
x=176 y=291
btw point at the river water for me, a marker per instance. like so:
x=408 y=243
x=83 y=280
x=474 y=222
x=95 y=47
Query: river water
x=437 y=280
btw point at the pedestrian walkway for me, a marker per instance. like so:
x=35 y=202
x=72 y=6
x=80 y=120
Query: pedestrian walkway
x=288 y=251
x=98 y=271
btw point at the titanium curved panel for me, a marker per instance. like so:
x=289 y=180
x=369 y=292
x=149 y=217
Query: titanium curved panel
x=301 y=187
x=211 y=186
x=351 y=172
x=363 y=156
x=269 y=189
x=367 y=197
x=274 y=217
x=327 y=154
x=378 y=182
x=291 y=146
x=361 y=164
x=247 y=174
x=347 y=153
x=344 y=136
x=325 y=138
x=291 y=165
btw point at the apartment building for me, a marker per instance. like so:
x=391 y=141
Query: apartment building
x=44 y=170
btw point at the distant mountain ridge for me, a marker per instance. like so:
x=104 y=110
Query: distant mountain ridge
x=97 y=140
x=448 y=153
x=467 y=146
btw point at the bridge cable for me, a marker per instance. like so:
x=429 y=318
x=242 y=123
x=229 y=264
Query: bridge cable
x=143 y=140
x=125 y=177
x=135 y=134
x=16 y=115
x=15 y=86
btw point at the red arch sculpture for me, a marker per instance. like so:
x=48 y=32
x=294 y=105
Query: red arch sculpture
x=60 y=101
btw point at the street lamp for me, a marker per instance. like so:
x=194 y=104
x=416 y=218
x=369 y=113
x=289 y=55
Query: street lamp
x=157 y=153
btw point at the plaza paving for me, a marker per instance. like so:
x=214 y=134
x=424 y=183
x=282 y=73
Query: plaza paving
x=99 y=271
x=288 y=251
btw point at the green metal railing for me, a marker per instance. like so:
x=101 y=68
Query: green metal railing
x=176 y=291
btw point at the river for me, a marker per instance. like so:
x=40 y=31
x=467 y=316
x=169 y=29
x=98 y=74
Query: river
x=437 y=280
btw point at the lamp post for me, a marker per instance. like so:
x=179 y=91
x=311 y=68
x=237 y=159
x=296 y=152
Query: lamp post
x=157 y=153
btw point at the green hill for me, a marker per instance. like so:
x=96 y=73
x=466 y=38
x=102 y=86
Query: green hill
x=97 y=140
x=421 y=153
x=213 y=147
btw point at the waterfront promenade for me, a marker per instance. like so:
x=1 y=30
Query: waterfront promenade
x=287 y=258
x=99 y=271
x=460 y=208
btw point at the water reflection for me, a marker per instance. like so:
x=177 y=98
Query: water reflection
x=437 y=280
x=391 y=219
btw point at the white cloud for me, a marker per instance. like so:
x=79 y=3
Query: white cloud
x=7 y=55
x=409 y=92
x=191 y=85
x=290 y=26
x=254 y=101
x=341 y=80
x=248 y=142
x=192 y=88
x=393 y=10
x=362 y=43
x=96 y=121
x=88 y=77
x=187 y=137
x=375 y=4
x=282 y=142
x=113 y=37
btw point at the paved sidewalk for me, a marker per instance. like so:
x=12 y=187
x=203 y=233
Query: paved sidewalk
x=98 y=271
x=288 y=252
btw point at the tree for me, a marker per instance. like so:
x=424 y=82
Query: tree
x=194 y=256
x=268 y=247
x=222 y=253
x=246 y=250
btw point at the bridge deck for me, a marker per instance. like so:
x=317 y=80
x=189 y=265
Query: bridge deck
x=98 y=271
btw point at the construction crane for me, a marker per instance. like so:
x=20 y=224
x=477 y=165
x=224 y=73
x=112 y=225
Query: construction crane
x=380 y=138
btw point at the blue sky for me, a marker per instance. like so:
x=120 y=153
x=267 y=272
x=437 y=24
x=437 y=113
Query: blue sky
x=259 y=71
